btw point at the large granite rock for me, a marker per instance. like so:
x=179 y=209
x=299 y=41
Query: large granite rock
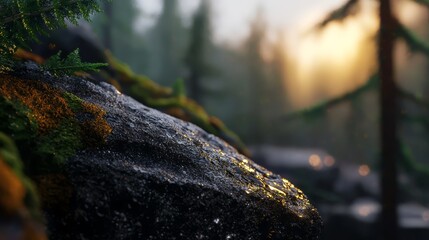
x=157 y=177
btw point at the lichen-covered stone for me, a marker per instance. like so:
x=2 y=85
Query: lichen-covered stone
x=157 y=177
x=49 y=125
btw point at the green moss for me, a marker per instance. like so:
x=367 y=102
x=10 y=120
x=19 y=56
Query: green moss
x=14 y=120
x=9 y=153
x=44 y=152
x=48 y=125
x=73 y=102
x=172 y=101
x=55 y=147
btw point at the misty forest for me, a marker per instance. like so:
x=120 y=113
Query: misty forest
x=203 y=119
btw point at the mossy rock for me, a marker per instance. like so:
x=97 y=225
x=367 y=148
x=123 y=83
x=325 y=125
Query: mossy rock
x=108 y=167
x=49 y=125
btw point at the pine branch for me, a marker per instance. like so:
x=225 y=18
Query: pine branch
x=416 y=170
x=6 y=63
x=38 y=12
x=320 y=108
x=70 y=64
x=422 y=2
x=413 y=41
x=413 y=98
x=422 y=120
x=339 y=14
x=23 y=20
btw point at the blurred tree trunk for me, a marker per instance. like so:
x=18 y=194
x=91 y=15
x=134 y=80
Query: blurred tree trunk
x=257 y=78
x=277 y=88
x=199 y=44
x=388 y=134
x=107 y=31
x=168 y=45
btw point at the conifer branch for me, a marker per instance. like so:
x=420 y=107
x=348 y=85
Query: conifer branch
x=339 y=14
x=413 y=41
x=417 y=170
x=24 y=20
x=422 y=120
x=70 y=64
x=37 y=12
x=413 y=98
x=320 y=108
x=422 y=2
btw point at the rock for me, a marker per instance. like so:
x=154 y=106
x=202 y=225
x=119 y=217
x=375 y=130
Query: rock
x=140 y=87
x=151 y=176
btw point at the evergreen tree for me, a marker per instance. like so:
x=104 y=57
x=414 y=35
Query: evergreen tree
x=108 y=25
x=167 y=39
x=199 y=45
x=392 y=150
x=276 y=86
x=116 y=28
x=257 y=77
x=22 y=21
x=388 y=132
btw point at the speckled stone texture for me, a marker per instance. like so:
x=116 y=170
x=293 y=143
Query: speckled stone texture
x=161 y=178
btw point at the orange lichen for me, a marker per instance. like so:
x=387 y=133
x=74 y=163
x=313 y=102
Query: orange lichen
x=48 y=107
x=64 y=122
x=156 y=96
x=12 y=191
x=23 y=54
x=97 y=127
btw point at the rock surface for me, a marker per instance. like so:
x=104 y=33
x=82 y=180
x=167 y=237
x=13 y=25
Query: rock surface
x=158 y=177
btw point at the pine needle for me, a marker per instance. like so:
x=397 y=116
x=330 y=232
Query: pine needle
x=339 y=14
x=319 y=109
x=412 y=40
x=422 y=2
x=70 y=64
x=413 y=98
x=24 y=20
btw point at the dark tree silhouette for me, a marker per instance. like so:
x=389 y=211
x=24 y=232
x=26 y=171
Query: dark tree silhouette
x=196 y=58
x=168 y=38
x=257 y=76
x=388 y=132
x=116 y=28
x=107 y=28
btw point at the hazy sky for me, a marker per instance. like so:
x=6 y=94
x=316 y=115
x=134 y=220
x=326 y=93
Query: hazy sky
x=340 y=58
x=232 y=17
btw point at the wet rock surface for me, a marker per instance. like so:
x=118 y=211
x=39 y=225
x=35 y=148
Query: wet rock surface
x=158 y=177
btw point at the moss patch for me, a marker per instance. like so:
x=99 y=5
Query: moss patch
x=16 y=190
x=18 y=198
x=170 y=101
x=11 y=190
x=49 y=125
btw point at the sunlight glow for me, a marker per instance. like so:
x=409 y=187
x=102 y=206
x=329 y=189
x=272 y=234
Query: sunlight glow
x=337 y=59
x=333 y=60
